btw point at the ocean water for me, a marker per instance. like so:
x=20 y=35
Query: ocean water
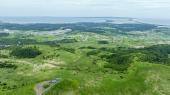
x=59 y=20
x=155 y=21
x=53 y=20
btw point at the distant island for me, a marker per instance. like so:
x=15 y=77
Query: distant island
x=124 y=21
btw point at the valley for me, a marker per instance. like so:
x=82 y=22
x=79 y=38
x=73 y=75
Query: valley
x=88 y=58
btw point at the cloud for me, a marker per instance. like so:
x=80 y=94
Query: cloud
x=151 y=3
x=85 y=7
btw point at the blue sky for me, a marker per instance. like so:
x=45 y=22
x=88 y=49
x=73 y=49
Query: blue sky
x=86 y=8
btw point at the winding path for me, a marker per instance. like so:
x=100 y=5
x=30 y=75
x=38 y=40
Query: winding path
x=39 y=88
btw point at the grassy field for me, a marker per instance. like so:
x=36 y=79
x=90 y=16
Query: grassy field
x=88 y=63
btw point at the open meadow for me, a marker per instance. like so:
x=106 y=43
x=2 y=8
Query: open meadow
x=84 y=59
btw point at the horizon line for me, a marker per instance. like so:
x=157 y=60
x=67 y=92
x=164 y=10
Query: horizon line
x=81 y=17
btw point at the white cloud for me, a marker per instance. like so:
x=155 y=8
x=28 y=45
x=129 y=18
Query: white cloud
x=86 y=7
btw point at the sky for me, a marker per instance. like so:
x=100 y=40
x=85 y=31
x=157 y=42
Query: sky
x=86 y=8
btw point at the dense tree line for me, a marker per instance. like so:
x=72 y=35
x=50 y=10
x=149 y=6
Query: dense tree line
x=82 y=27
x=16 y=41
x=121 y=58
x=58 y=42
x=4 y=34
x=28 y=52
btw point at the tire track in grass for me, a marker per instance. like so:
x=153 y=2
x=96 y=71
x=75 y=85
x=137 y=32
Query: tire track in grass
x=39 y=88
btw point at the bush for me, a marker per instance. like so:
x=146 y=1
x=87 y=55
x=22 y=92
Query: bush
x=5 y=65
x=68 y=41
x=94 y=52
x=88 y=47
x=71 y=50
x=46 y=85
x=103 y=42
x=28 y=52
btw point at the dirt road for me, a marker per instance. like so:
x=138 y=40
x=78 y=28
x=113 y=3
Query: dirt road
x=39 y=88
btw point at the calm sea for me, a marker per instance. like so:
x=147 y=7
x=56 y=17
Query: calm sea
x=56 y=20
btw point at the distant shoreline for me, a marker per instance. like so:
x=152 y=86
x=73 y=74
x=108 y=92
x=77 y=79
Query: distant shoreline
x=60 y=20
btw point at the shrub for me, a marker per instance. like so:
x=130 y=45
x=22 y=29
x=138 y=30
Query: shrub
x=5 y=65
x=94 y=52
x=71 y=50
x=68 y=41
x=103 y=42
x=46 y=85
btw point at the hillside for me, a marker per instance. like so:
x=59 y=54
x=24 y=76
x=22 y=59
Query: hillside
x=84 y=59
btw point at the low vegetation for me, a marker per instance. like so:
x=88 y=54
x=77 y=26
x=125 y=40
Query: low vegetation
x=65 y=86
x=92 y=59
